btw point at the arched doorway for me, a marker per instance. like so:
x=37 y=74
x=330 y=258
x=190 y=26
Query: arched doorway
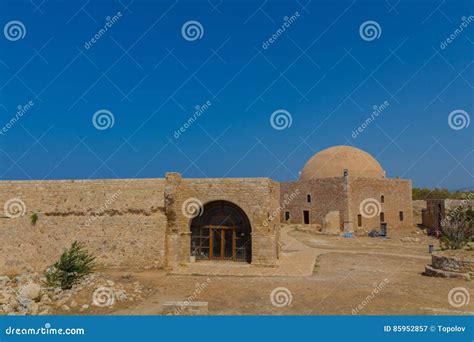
x=222 y=232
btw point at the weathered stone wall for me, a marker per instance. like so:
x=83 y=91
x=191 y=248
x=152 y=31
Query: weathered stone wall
x=397 y=198
x=259 y=198
x=121 y=221
x=327 y=195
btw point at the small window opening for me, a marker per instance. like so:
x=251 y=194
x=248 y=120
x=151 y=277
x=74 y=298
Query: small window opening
x=306 y=216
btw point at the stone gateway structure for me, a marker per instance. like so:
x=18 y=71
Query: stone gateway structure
x=221 y=219
x=172 y=221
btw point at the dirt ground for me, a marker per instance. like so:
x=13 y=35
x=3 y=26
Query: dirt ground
x=360 y=275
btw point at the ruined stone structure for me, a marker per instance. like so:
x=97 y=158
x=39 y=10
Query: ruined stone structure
x=344 y=189
x=451 y=264
x=172 y=221
x=437 y=209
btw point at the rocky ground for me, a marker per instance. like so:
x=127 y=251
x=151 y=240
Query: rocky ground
x=358 y=275
x=28 y=294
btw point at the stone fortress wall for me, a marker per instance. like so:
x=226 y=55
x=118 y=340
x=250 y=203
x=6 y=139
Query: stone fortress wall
x=123 y=222
x=135 y=223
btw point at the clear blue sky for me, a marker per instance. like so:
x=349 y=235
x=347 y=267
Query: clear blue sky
x=150 y=78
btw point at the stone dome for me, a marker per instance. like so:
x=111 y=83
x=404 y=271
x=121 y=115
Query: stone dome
x=332 y=162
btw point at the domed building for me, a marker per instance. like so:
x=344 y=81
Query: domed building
x=333 y=161
x=345 y=189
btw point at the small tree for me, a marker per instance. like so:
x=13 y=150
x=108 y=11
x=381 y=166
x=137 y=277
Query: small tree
x=75 y=263
x=34 y=219
x=457 y=228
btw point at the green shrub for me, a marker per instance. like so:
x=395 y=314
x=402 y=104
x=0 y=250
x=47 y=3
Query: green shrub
x=75 y=263
x=438 y=193
x=457 y=228
x=34 y=219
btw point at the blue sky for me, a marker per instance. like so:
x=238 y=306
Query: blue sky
x=319 y=69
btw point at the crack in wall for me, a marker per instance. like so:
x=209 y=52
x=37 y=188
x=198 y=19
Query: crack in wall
x=107 y=212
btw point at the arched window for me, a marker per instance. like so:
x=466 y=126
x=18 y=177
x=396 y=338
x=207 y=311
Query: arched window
x=382 y=199
x=308 y=198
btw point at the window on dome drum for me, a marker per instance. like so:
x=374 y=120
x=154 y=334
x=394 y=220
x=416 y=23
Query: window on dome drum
x=359 y=220
x=382 y=199
x=400 y=215
x=287 y=215
x=382 y=217
x=306 y=216
x=308 y=198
